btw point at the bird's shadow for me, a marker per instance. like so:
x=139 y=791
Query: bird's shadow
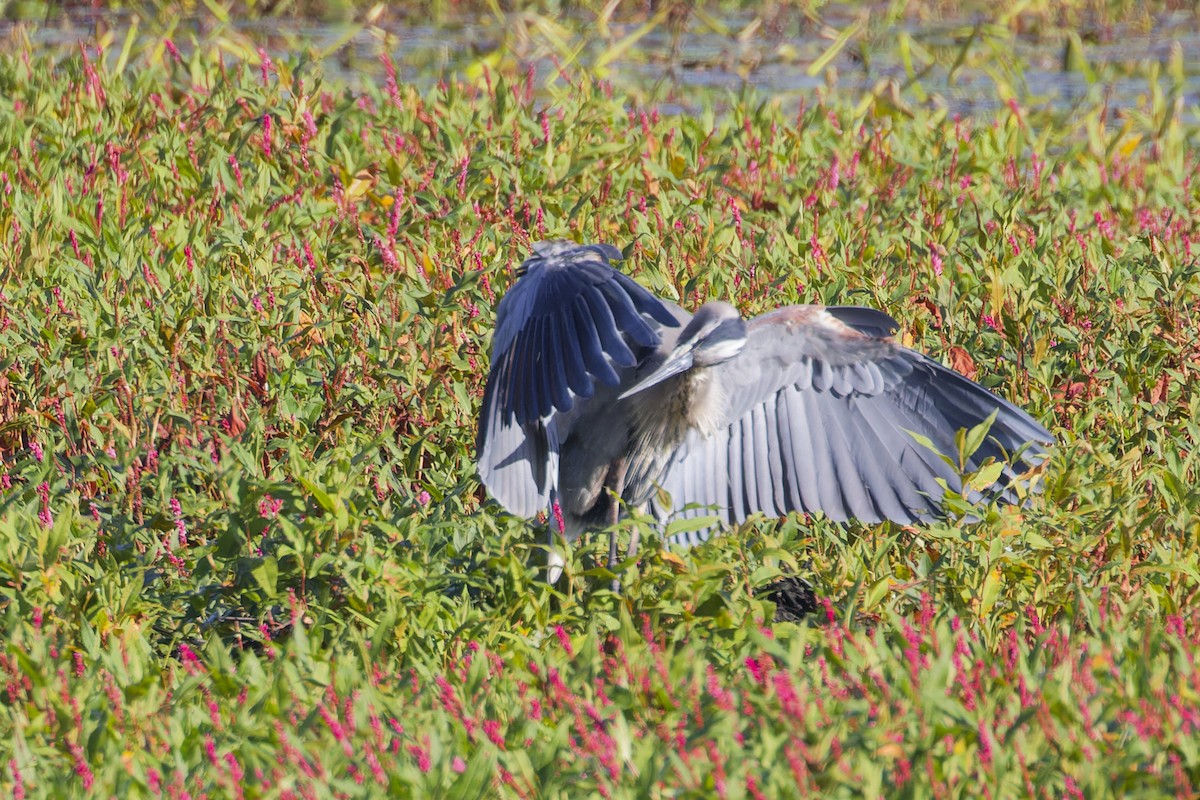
x=794 y=598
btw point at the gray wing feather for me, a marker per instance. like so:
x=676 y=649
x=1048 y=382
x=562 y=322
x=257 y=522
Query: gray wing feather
x=817 y=418
x=703 y=477
x=901 y=485
x=823 y=461
x=789 y=469
x=774 y=443
x=804 y=459
x=695 y=478
x=716 y=477
x=765 y=474
x=737 y=475
x=856 y=502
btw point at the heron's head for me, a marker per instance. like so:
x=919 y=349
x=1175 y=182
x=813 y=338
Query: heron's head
x=716 y=333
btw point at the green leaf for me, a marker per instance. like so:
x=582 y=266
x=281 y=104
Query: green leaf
x=475 y=779
x=971 y=440
x=987 y=476
x=266 y=574
x=323 y=498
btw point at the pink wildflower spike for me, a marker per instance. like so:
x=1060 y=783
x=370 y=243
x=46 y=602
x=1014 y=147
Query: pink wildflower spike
x=266 y=135
x=180 y=527
x=830 y=614
x=18 y=780
x=44 y=515
x=237 y=169
x=491 y=729
x=387 y=255
x=422 y=757
x=81 y=767
x=985 y=745
x=392 y=84
x=563 y=639
x=394 y=220
x=463 y=168
x=268 y=507
x=758 y=669
x=265 y=66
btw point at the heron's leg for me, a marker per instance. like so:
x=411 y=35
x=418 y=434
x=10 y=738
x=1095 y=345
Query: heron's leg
x=615 y=484
x=612 y=550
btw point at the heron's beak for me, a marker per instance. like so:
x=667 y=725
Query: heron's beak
x=679 y=361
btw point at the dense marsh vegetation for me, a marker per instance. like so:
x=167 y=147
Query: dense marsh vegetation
x=244 y=321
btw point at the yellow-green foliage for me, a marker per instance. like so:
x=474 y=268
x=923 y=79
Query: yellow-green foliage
x=243 y=334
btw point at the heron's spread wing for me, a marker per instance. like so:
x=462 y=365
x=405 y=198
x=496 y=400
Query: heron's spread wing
x=570 y=321
x=817 y=415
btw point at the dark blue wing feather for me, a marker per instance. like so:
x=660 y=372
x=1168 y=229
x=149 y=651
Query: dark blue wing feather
x=519 y=377
x=556 y=370
x=572 y=290
x=578 y=379
x=589 y=343
x=606 y=326
x=541 y=374
x=645 y=302
x=570 y=322
x=627 y=317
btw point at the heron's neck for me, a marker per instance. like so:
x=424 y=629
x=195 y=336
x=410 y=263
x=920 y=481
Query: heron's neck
x=662 y=417
x=682 y=403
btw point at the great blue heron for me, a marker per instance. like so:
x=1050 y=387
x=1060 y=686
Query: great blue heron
x=599 y=390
